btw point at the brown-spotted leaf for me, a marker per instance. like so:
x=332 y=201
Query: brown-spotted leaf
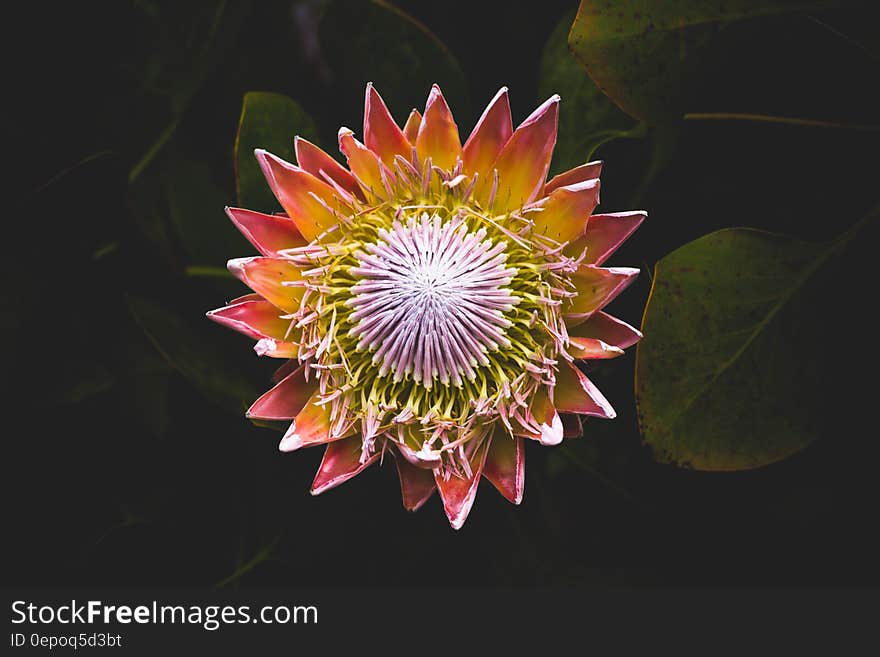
x=728 y=376
x=641 y=53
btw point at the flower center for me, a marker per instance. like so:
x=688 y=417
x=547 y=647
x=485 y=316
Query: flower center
x=431 y=299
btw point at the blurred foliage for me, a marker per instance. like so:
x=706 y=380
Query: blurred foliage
x=182 y=47
x=378 y=42
x=80 y=380
x=192 y=197
x=184 y=351
x=124 y=137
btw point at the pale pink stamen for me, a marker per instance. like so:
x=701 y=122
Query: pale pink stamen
x=431 y=299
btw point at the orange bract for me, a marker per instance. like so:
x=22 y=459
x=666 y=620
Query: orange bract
x=433 y=299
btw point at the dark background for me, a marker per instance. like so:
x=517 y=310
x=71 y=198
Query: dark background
x=129 y=461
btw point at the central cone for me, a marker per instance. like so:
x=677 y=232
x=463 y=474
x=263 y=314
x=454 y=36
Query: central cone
x=431 y=299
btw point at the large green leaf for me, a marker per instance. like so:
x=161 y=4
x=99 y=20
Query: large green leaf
x=728 y=376
x=269 y=121
x=641 y=52
x=374 y=41
x=587 y=118
x=187 y=352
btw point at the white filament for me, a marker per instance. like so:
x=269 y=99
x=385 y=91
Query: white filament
x=431 y=299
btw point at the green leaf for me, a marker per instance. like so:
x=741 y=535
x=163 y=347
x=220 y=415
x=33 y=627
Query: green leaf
x=727 y=376
x=270 y=121
x=188 y=353
x=377 y=42
x=642 y=52
x=587 y=118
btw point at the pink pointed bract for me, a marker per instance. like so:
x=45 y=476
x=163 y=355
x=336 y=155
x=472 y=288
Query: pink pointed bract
x=432 y=299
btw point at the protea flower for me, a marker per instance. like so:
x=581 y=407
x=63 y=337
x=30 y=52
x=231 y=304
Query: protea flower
x=432 y=299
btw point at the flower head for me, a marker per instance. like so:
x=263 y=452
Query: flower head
x=432 y=299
